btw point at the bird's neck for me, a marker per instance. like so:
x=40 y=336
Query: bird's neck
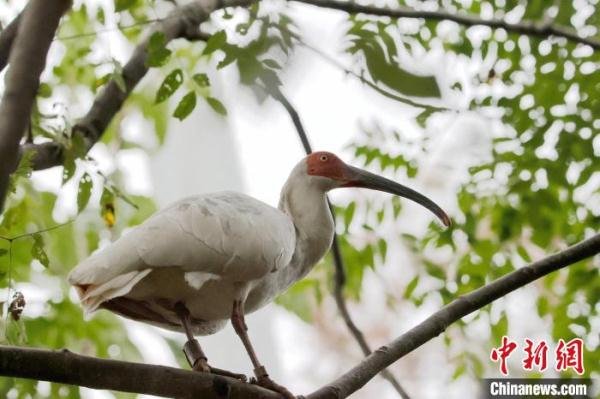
x=307 y=206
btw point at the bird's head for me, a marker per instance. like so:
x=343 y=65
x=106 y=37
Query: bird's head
x=326 y=165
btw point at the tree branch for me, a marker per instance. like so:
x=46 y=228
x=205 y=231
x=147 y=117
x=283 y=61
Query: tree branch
x=27 y=61
x=338 y=261
x=69 y=368
x=529 y=28
x=7 y=37
x=183 y=22
x=437 y=323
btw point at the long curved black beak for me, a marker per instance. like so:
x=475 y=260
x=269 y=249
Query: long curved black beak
x=361 y=178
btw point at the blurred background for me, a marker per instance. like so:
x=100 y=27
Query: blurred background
x=498 y=128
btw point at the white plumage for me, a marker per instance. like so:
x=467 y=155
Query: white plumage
x=209 y=258
x=219 y=240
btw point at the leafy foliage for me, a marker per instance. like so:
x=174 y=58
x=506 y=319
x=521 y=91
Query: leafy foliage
x=527 y=197
x=535 y=192
x=372 y=40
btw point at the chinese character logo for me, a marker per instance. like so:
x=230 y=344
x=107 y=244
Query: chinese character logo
x=568 y=355
x=536 y=356
x=502 y=353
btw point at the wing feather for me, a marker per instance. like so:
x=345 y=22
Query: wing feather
x=228 y=235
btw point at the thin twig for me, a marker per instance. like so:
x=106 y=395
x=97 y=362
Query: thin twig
x=11 y=239
x=338 y=261
x=333 y=62
x=529 y=28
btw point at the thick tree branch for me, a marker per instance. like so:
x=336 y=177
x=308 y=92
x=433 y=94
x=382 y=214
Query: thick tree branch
x=183 y=22
x=338 y=261
x=27 y=61
x=529 y=28
x=70 y=368
x=7 y=37
x=437 y=323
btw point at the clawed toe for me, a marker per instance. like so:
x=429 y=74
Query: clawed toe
x=266 y=382
x=203 y=367
x=227 y=373
x=197 y=360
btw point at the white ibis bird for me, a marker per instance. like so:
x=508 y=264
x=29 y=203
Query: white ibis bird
x=209 y=258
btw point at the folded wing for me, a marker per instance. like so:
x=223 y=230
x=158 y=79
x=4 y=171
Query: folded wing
x=215 y=236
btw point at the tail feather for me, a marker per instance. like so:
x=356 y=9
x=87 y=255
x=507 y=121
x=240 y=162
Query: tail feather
x=93 y=295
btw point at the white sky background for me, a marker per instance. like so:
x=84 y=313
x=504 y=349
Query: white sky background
x=266 y=148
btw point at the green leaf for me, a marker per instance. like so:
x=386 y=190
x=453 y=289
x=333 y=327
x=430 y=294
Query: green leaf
x=24 y=170
x=3 y=251
x=542 y=306
x=68 y=168
x=185 y=106
x=84 y=192
x=411 y=287
x=396 y=78
x=435 y=270
x=169 y=86
x=158 y=53
x=145 y=207
x=349 y=214
x=523 y=253
x=45 y=91
x=272 y=63
x=122 y=5
x=117 y=76
x=37 y=250
x=201 y=79
x=300 y=297
x=215 y=42
x=460 y=370
x=217 y=106
x=75 y=149
x=500 y=329
x=424 y=116
x=230 y=56
x=382 y=247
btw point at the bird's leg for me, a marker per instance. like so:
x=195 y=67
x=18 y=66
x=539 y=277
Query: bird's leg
x=192 y=350
x=262 y=377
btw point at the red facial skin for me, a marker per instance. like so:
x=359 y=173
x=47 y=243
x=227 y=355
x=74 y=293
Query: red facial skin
x=326 y=164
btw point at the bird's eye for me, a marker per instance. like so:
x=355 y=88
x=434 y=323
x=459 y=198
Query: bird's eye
x=324 y=158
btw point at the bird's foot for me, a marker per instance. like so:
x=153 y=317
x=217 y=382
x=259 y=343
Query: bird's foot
x=203 y=367
x=198 y=362
x=262 y=379
x=227 y=373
